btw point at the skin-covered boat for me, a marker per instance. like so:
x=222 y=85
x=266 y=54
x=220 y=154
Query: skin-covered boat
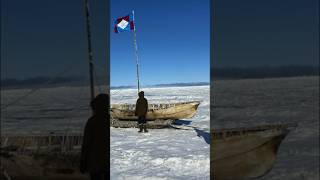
x=158 y=115
x=245 y=153
x=182 y=110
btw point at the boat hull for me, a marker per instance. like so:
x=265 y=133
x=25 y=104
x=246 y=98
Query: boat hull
x=156 y=111
x=153 y=124
x=245 y=153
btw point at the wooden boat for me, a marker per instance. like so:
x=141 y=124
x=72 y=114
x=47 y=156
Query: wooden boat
x=172 y=111
x=158 y=116
x=245 y=153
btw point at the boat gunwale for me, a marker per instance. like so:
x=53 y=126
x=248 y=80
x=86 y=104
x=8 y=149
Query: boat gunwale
x=154 y=109
x=245 y=131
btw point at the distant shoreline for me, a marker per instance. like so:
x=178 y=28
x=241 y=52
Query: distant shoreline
x=165 y=85
x=112 y=87
x=262 y=72
x=219 y=73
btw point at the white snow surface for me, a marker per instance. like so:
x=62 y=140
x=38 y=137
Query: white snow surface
x=163 y=153
x=159 y=154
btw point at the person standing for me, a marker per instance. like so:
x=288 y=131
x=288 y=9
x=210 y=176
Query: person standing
x=94 y=150
x=141 y=112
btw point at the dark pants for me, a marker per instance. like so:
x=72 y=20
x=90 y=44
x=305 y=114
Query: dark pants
x=142 y=120
x=98 y=176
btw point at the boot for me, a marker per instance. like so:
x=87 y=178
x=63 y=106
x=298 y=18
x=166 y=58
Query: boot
x=140 y=126
x=145 y=128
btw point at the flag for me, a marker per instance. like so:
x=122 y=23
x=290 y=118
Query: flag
x=124 y=23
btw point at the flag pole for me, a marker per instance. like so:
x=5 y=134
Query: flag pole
x=90 y=57
x=136 y=52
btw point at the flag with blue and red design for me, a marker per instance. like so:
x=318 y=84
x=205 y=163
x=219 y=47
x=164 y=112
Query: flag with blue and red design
x=124 y=23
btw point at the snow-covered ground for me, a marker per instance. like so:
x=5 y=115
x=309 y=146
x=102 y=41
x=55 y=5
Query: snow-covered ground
x=159 y=154
x=163 y=153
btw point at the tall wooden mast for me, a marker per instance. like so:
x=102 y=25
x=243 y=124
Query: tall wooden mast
x=90 y=56
x=136 y=53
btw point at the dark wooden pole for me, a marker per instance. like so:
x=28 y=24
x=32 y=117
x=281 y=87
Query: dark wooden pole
x=90 y=56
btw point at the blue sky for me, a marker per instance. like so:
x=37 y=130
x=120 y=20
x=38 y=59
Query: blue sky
x=266 y=32
x=173 y=42
x=41 y=38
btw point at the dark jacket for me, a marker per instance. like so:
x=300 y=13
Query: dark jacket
x=141 y=107
x=94 y=157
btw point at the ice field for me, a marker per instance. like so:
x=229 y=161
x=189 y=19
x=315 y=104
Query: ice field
x=163 y=153
x=159 y=154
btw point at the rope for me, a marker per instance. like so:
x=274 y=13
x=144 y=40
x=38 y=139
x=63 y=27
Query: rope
x=65 y=140
x=67 y=69
x=96 y=78
x=67 y=130
x=105 y=71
